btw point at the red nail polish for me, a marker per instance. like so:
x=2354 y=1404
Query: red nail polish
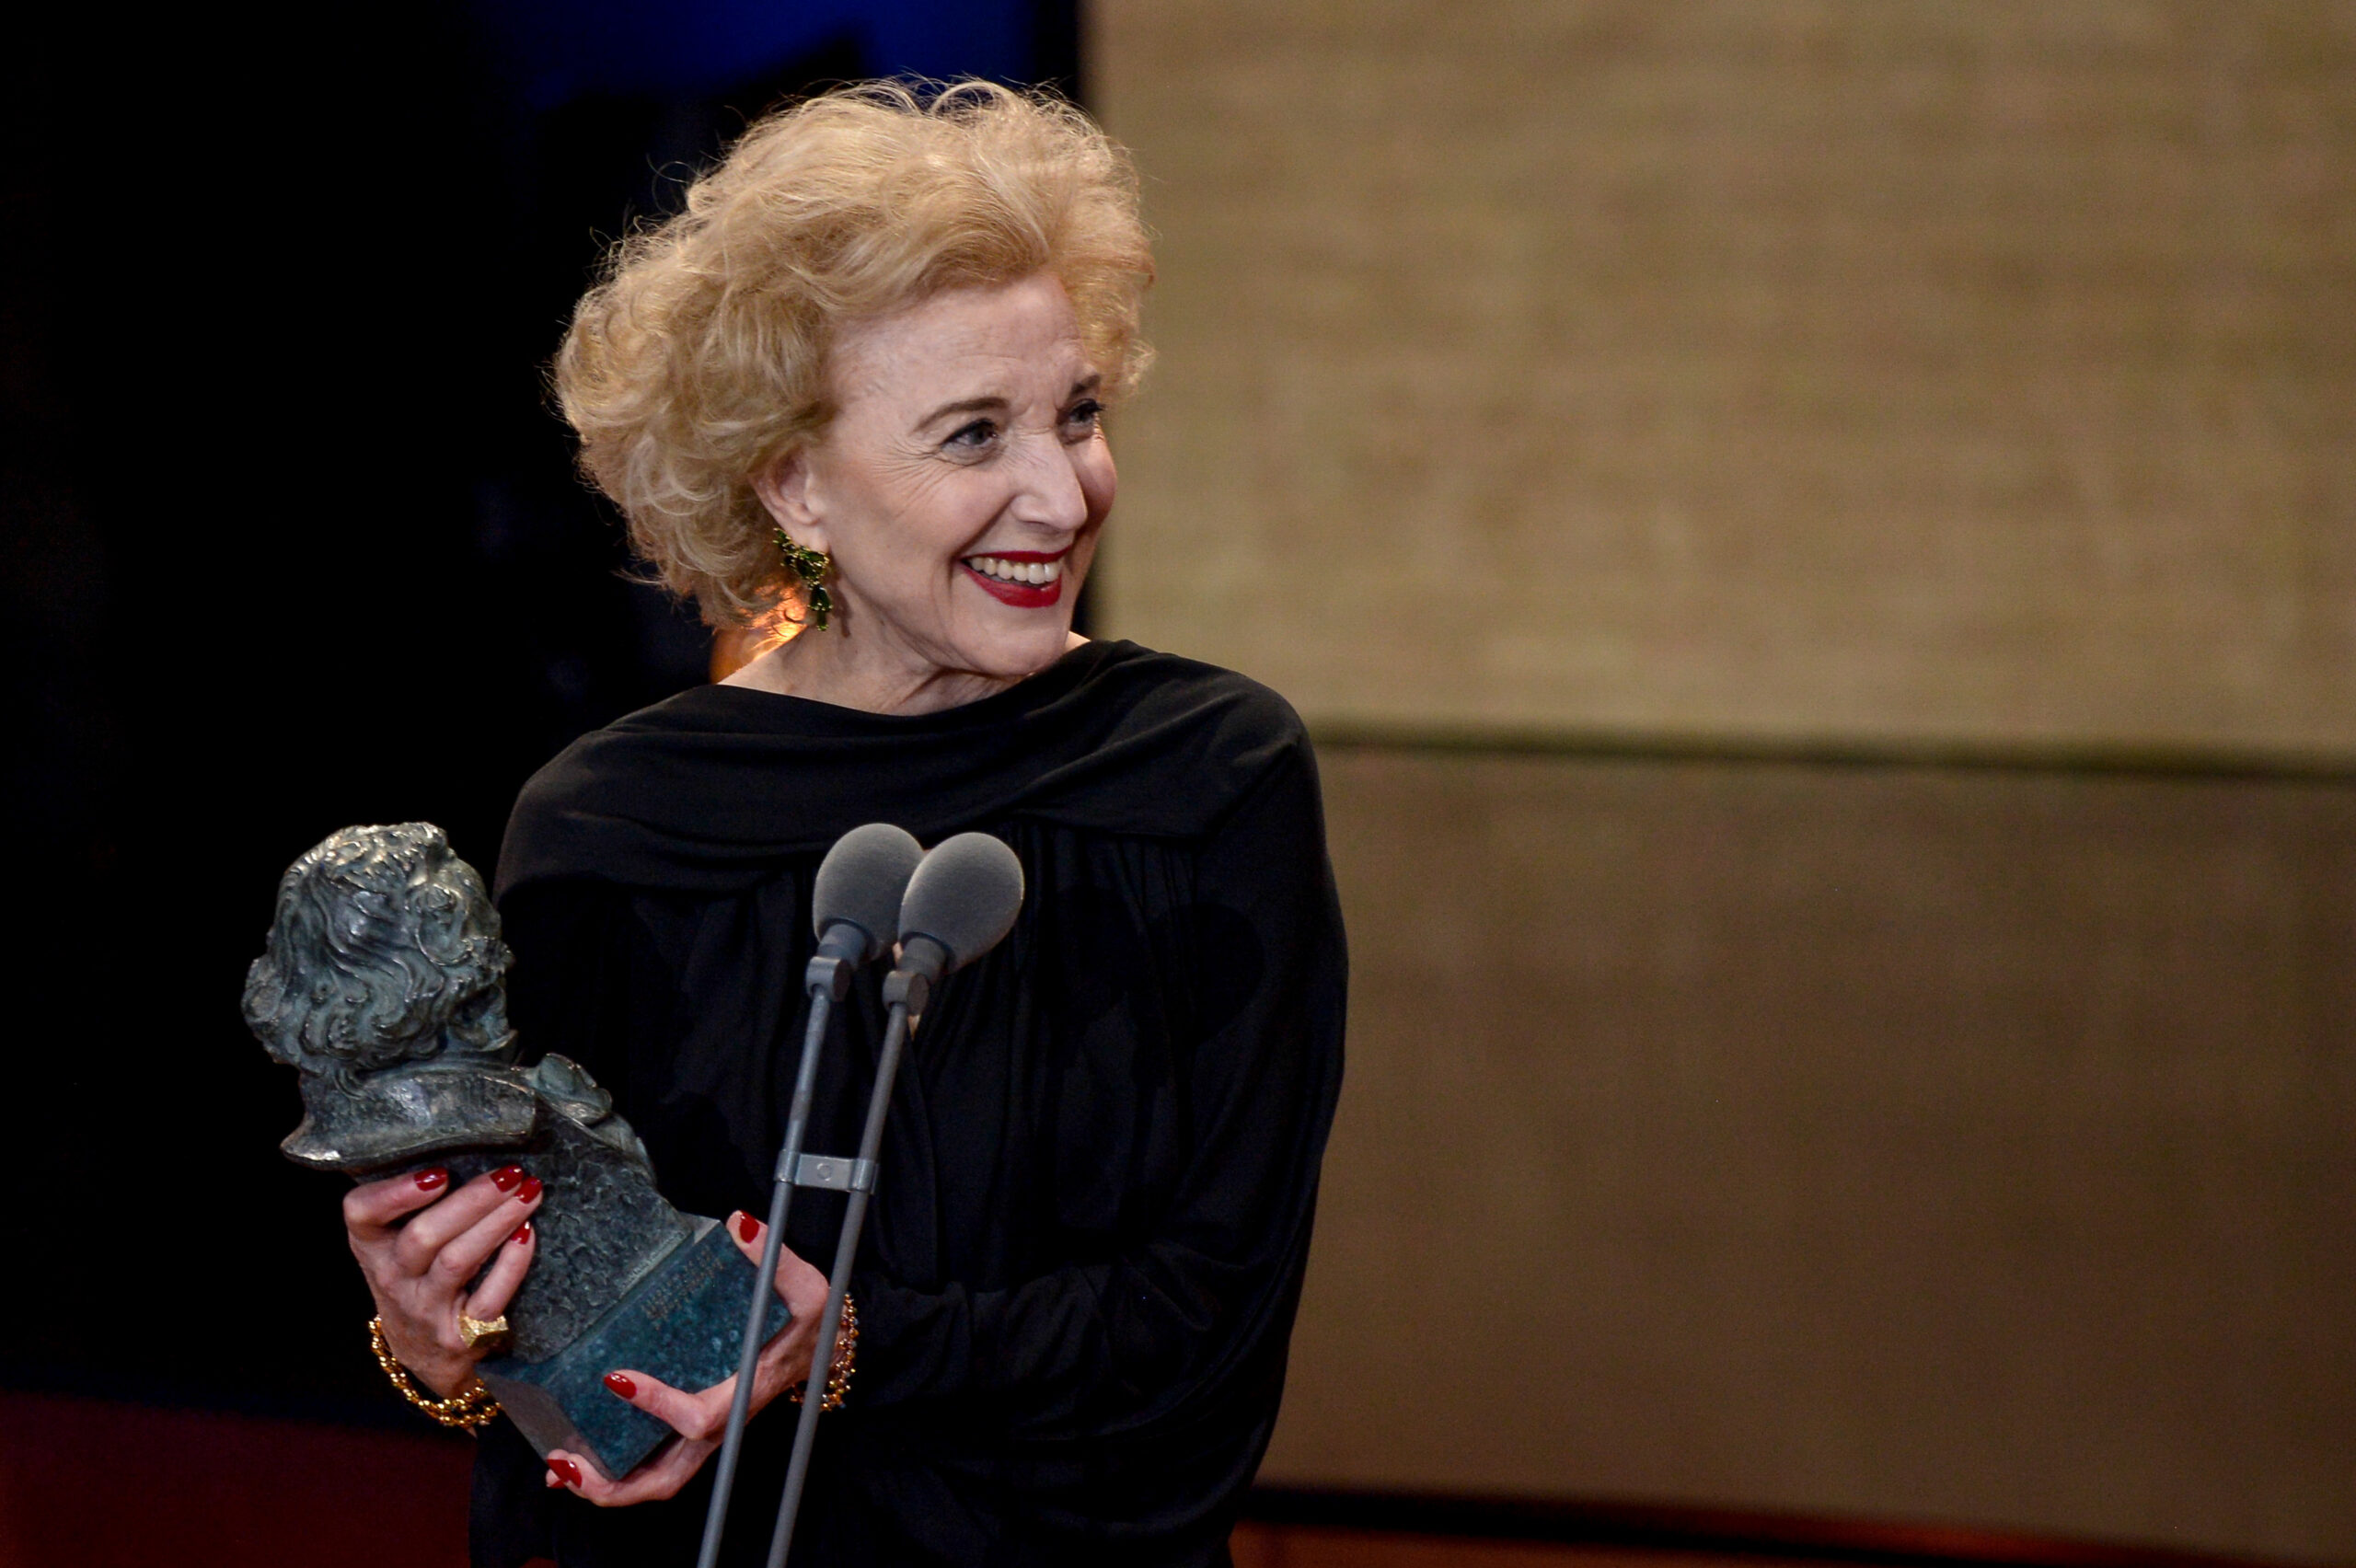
x=748 y=1228
x=432 y=1181
x=620 y=1384
x=566 y=1471
x=523 y=1236
x=530 y=1190
x=506 y=1176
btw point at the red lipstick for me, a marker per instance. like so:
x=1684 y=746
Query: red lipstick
x=1022 y=595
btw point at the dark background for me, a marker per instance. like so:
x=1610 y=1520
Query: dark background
x=294 y=541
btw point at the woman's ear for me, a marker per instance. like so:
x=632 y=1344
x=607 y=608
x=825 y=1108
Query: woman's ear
x=789 y=494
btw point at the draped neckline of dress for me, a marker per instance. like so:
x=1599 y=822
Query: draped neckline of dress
x=683 y=796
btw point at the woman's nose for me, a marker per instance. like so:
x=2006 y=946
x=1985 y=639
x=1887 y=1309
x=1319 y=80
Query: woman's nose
x=1051 y=493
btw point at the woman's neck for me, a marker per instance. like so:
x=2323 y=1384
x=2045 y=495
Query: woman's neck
x=828 y=667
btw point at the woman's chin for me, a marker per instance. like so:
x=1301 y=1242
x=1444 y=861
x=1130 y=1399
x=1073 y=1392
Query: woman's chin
x=1011 y=653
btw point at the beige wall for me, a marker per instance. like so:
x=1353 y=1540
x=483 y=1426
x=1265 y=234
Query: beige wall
x=1890 y=375
x=1894 y=370
x=1931 y=1144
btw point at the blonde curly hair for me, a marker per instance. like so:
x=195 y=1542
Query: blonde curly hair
x=700 y=357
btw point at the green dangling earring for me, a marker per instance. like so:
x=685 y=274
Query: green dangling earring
x=810 y=569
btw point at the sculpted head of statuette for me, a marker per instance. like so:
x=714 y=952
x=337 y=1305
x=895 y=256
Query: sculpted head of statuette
x=385 y=950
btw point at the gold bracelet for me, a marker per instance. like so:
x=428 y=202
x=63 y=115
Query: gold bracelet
x=846 y=1353
x=468 y=1408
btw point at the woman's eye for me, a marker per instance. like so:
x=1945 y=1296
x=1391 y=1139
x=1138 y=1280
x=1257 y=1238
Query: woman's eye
x=1083 y=415
x=974 y=436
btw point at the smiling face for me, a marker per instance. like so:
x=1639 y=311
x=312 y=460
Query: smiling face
x=959 y=489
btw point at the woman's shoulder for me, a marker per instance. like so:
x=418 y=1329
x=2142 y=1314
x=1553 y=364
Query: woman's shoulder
x=596 y=760
x=1147 y=687
x=1163 y=745
x=624 y=802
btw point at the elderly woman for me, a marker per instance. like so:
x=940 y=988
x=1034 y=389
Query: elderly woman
x=855 y=393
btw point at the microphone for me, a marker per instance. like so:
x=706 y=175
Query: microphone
x=854 y=907
x=960 y=904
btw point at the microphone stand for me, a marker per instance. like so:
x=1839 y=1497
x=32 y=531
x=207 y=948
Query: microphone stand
x=905 y=992
x=971 y=885
x=828 y=980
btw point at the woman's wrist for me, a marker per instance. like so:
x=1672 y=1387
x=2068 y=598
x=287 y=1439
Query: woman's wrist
x=444 y=1373
x=844 y=1362
x=466 y=1407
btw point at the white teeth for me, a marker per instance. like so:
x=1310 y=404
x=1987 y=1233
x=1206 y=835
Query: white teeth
x=1036 y=573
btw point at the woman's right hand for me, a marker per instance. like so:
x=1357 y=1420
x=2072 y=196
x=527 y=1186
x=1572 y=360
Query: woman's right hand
x=418 y=1272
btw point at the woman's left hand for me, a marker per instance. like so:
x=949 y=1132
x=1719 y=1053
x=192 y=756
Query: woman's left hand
x=701 y=1419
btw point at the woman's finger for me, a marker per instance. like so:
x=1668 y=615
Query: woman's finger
x=671 y=1467
x=498 y=1288
x=421 y=1237
x=799 y=1286
x=785 y=1360
x=370 y=1208
x=580 y=1477
x=692 y=1416
x=463 y=1254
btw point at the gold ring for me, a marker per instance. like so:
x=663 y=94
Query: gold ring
x=474 y=1330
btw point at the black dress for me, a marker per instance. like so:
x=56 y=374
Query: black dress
x=1080 y=1269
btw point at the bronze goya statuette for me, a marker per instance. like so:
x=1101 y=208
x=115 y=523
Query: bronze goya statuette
x=382 y=986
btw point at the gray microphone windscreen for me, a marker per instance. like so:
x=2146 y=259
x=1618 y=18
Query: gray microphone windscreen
x=964 y=896
x=861 y=881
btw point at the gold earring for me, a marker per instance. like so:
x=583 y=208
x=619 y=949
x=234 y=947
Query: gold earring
x=810 y=569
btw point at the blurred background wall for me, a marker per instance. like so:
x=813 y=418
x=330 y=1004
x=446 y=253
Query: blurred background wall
x=1784 y=370
x=1821 y=538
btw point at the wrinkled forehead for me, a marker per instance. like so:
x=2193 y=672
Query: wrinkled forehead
x=1018 y=340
